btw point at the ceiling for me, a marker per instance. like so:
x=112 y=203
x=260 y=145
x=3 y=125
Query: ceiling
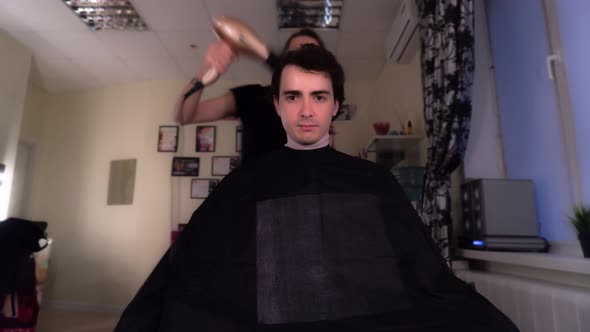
x=68 y=56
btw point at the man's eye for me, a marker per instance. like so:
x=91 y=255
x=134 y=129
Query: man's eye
x=290 y=98
x=320 y=98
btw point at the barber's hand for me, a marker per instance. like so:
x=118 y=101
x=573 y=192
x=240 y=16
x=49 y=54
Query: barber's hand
x=220 y=56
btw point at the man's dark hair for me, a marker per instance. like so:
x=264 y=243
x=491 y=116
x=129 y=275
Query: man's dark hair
x=304 y=32
x=312 y=58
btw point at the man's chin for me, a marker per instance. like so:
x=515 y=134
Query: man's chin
x=307 y=141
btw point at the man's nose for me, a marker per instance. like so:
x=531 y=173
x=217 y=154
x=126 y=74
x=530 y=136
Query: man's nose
x=306 y=108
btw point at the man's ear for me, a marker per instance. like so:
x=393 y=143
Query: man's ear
x=276 y=103
x=335 y=110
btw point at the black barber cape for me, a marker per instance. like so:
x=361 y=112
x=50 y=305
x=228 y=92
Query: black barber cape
x=307 y=241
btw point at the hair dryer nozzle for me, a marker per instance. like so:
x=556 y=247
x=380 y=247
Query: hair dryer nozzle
x=240 y=36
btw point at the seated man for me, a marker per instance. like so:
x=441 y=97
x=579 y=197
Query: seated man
x=314 y=240
x=262 y=130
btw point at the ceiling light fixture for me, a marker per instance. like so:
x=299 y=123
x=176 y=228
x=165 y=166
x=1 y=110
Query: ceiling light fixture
x=310 y=13
x=107 y=14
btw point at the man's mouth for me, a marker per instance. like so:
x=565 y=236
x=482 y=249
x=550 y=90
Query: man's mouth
x=307 y=125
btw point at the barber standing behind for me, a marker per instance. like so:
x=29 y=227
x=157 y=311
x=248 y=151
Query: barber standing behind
x=262 y=128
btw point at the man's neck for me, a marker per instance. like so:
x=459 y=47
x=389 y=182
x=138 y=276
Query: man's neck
x=322 y=142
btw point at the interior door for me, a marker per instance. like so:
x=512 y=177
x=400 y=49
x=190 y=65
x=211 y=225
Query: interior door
x=22 y=182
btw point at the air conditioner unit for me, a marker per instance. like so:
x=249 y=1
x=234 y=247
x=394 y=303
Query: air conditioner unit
x=403 y=39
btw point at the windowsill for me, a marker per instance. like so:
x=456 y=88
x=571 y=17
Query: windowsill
x=548 y=261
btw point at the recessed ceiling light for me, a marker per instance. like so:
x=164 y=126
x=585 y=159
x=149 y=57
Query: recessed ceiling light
x=107 y=14
x=310 y=13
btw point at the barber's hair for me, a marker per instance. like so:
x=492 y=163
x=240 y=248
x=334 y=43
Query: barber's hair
x=312 y=58
x=304 y=32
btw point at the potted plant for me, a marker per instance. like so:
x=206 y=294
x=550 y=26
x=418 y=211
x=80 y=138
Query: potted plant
x=581 y=222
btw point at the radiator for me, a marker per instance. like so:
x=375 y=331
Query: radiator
x=534 y=306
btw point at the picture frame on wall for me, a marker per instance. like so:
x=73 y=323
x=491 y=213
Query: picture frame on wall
x=347 y=112
x=185 y=166
x=205 y=139
x=201 y=188
x=168 y=138
x=223 y=165
x=239 y=139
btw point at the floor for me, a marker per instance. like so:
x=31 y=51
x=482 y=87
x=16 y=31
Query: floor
x=60 y=320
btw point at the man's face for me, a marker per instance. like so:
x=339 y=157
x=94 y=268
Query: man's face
x=296 y=42
x=305 y=104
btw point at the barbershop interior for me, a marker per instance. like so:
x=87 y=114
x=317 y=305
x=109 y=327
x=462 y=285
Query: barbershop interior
x=478 y=108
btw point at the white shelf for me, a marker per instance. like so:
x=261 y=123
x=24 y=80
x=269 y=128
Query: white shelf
x=389 y=150
x=546 y=261
x=390 y=143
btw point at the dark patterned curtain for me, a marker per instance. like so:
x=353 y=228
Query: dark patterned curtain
x=447 y=72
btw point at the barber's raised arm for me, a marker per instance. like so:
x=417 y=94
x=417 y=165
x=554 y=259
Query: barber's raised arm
x=220 y=56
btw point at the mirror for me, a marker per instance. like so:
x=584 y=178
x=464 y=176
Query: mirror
x=121 y=182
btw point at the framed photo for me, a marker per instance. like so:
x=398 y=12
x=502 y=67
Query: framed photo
x=239 y=139
x=168 y=139
x=200 y=188
x=347 y=112
x=224 y=165
x=205 y=139
x=185 y=166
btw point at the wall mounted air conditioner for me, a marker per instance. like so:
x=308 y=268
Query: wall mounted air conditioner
x=403 y=38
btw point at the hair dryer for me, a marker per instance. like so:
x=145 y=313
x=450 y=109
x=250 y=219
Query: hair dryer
x=241 y=38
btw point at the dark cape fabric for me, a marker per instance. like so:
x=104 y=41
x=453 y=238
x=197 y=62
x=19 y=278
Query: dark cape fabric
x=19 y=239
x=307 y=241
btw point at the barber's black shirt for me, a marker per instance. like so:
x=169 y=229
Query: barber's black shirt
x=262 y=129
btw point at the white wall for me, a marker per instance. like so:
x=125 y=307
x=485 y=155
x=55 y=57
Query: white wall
x=353 y=134
x=15 y=63
x=103 y=253
x=397 y=96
